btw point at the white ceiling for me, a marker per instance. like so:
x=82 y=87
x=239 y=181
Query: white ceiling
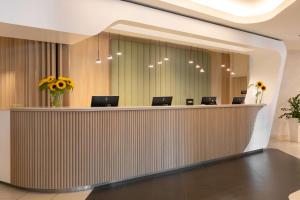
x=284 y=26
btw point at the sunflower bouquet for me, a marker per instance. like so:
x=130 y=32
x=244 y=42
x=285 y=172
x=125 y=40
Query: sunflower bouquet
x=56 y=88
x=260 y=89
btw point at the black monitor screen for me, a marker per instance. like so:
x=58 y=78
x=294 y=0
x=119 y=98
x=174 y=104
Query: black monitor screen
x=162 y=101
x=209 y=101
x=105 y=101
x=238 y=100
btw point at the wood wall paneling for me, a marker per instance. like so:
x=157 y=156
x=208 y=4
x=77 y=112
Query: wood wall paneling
x=225 y=80
x=90 y=78
x=237 y=85
x=22 y=64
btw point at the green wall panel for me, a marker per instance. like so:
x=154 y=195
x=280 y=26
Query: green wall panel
x=136 y=83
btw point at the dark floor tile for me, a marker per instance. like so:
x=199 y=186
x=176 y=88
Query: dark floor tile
x=270 y=175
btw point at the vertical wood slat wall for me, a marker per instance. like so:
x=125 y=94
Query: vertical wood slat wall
x=56 y=149
x=237 y=84
x=22 y=64
x=90 y=79
x=136 y=83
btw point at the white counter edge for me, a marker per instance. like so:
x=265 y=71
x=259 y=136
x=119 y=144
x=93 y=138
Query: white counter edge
x=134 y=108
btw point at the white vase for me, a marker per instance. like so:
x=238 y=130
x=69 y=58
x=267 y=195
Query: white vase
x=294 y=128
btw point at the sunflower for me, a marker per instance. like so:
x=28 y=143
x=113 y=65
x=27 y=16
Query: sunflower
x=50 y=79
x=42 y=82
x=70 y=83
x=61 y=84
x=263 y=88
x=259 y=84
x=52 y=87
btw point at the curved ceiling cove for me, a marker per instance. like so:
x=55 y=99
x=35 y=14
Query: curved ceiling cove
x=238 y=11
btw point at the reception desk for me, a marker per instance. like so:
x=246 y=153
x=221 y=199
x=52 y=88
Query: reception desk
x=74 y=148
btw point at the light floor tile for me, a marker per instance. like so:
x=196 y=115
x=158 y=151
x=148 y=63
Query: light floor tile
x=73 y=195
x=38 y=196
x=295 y=196
x=11 y=194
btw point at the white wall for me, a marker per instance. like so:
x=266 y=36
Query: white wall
x=290 y=87
x=5 y=146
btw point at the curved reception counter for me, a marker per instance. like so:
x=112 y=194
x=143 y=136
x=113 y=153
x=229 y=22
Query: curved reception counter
x=73 y=148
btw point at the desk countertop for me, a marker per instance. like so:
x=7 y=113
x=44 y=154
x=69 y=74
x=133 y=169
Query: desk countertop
x=134 y=108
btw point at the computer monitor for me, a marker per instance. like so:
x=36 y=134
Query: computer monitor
x=189 y=102
x=209 y=101
x=162 y=101
x=238 y=100
x=105 y=101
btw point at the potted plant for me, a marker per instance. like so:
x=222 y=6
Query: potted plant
x=56 y=88
x=292 y=113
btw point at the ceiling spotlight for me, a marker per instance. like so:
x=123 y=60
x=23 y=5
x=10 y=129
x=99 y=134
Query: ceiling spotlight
x=98 y=61
x=191 y=62
x=223 y=65
x=232 y=73
x=109 y=57
x=197 y=66
x=151 y=66
x=159 y=62
x=166 y=59
x=119 y=53
x=228 y=69
x=202 y=70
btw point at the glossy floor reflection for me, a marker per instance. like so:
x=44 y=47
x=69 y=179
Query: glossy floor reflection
x=271 y=175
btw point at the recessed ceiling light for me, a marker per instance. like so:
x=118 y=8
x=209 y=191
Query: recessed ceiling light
x=232 y=73
x=223 y=65
x=228 y=69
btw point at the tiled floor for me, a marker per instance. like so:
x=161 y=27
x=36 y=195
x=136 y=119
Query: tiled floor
x=11 y=193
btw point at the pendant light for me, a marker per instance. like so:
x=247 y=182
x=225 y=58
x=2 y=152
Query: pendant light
x=190 y=56
x=98 y=60
x=166 y=58
x=119 y=53
x=150 y=60
x=232 y=66
x=202 y=69
x=159 y=62
x=198 y=65
x=109 y=57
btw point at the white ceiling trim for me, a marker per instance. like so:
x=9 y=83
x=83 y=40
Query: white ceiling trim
x=238 y=11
